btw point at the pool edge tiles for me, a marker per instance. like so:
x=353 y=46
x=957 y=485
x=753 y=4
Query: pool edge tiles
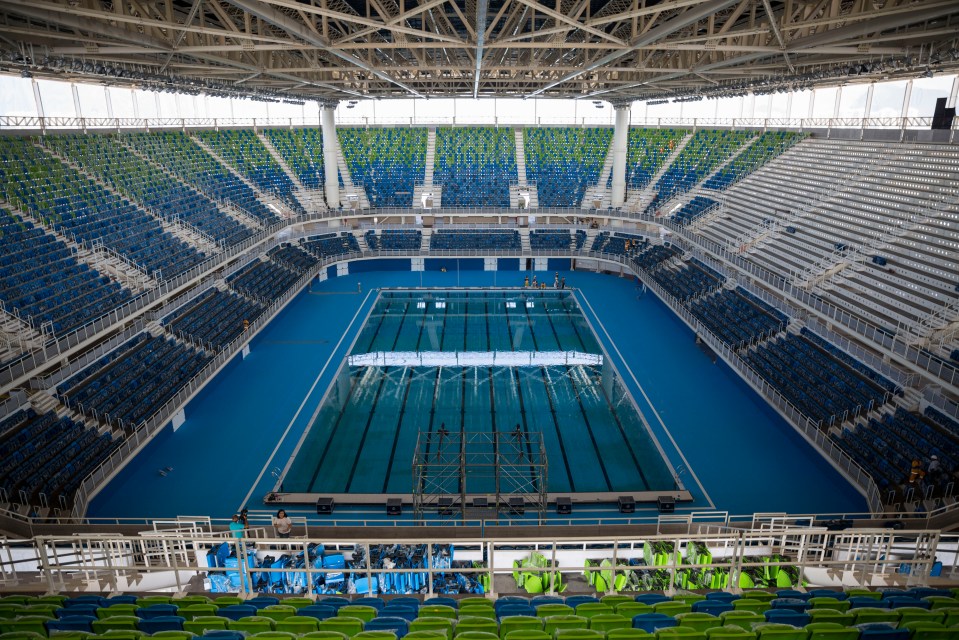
x=359 y=445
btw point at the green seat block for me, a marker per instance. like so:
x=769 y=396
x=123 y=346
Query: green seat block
x=632 y=609
x=590 y=609
x=743 y=619
x=146 y=601
x=924 y=630
x=361 y=611
x=474 y=623
x=554 y=609
x=759 y=594
x=781 y=632
x=614 y=599
x=679 y=633
x=41 y=609
x=688 y=598
x=671 y=608
x=252 y=624
x=380 y=634
x=298 y=602
x=172 y=635
x=51 y=598
x=347 y=626
x=225 y=601
x=825 y=602
x=628 y=634
x=325 y=635
x=952 y=616
x=120 y=634
x=274 y=635
x=699 y=621
x=552 y=623
x=831 y=631
x=475 y=611
x=431 y=624
x=608 y=621
x=32 y=624
x=508 y=624
x=191 y=611
x=475 y=601
x=125 y=623
x=942 y=602
x=477 y=635
x=72 y=635
x=200 y=624
x=298 y=624
x=15 y=598
x=751 y=604
x=864 y=593
x=10 y=610
x=436 y=611
x=279 y=612
x=833 y=616
x=21 y=635
x=116 y=610
x=579 y=634
x=186 y=601
x=730 y=633
x=865 y=615
x=918 y=614
x=521 y=634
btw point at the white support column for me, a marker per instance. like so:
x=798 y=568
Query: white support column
x=329 y=154
x=620 y=141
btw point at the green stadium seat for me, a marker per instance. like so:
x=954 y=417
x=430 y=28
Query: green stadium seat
x=473 y=623
x=751 y=604
x=299 y=602
x=508 y=624
x=325 y=634
x=199 y=624
x=866 y=615
x=191 y=611
x=630 y=609
x=671 y=608
x=225 y=601
x=379 y=634
x=117 y=610
x=125 y=623
x=252 y=624
x=552 y=623
x=298 y=624
x=475 y=611
x=10 y=610
x=608 y=621
x=590 y=609
x=952 y=616
x=918 y=614
x=864 y=593
x=781 y=632
x=730 y=633
x=759 y=594
x=14 y=598
x=72 y=635
x=579 y=634
x=361 y=611
x=628 y=634
x=432 y=623
x=742 y=619
x=173 y=635
x=477 y=635
x=32 y=624
x=436 y=611
x=832 y=615
x=688 y=598
x=825 y=602
x=942 y=602
x=146 y=601
x=524 y=634
x=475 y=601
x=699 y=621
x=925 y=630
x=614 y=599
x=554 y=609
x=274 y=635
x=120 y=634
x=831 y=631
x=680 y=633
x=279 y=612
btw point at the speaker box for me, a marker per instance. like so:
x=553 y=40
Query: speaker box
x=394 y=507
x=627 y=504
x=666 y=504
x=446 y=506
x=516 y=506
x=324 y=506
x=480 y=503
x=564 y=506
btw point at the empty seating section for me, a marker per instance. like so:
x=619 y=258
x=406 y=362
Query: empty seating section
x=147 y=185
x=129 y=385
x=180 y=155
x=813 y=380
x=580 y=239
x=293 y=258
x=698 y=206
x=652 y=256
x=738 y=318
x=687 y=282
x=331 y=245
x=302 y=151
x=475 y=241
x=245 y=153
x=841 y=355
x=475 y=166
x=764 y=148
x=262 y=280
x=394 y=240
x=550 y=240
x=387 y=162
x=40 y=277
x=563 y=162
x=702 y=154
x=620 y=244
x=646 y=151
x=48 y=454
x=214 y=319
x=72 y=204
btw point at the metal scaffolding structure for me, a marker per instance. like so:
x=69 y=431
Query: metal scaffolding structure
x=477 y=474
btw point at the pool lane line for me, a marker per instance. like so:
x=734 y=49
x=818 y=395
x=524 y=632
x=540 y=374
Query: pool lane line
x=296 y=415
x=646 y=397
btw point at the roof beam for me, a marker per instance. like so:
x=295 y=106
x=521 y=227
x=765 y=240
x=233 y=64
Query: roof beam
x=481 y=8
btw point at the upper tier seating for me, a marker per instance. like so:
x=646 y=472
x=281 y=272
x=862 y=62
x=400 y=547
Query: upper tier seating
x=475 y=166
x=214 y=319
x=646 y=151
x=293 y=258
x=563 y=162
x=618 y=243
x=147 y=185
x=394 y=240
x=247 y=154
x=695 y=208
x=738 y=317
x=701 y=155
x=551 y=240
x=764 y=148
x=182 y=156
x=42 y=280
x=74 y=205
x=130 y=384
x=49 y=455
x=386 y=162
x=475 y=240
x=262 y=280
x=687 y=282
x=302 y=151
x=330 y=245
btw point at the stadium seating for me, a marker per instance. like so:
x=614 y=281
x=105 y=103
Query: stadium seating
x=563 y=162
x=767 y=146
x=247 y=154
x=616 y=243
x=475 y=166
x=394 y=240
x=646 y=151
x=475 y=241
x=130 y=384
x=551 y=240
x=386 y=162
x=302 y=151
x=293 y=258
x=182 y=156
x=738 y=318
x=262 y=280
x=214 y=319
x=44 y=282
x=77 y=207
x=688 y=282
x=331 y=245
x=147 y=185
x=698 y=206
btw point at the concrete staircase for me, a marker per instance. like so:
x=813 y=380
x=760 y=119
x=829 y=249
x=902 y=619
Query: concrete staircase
x=520 y=156
x=524 y=241
x=639 y=200
x=428 y=175
x=308 y=198
x=349 y=188
x=600 y=191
